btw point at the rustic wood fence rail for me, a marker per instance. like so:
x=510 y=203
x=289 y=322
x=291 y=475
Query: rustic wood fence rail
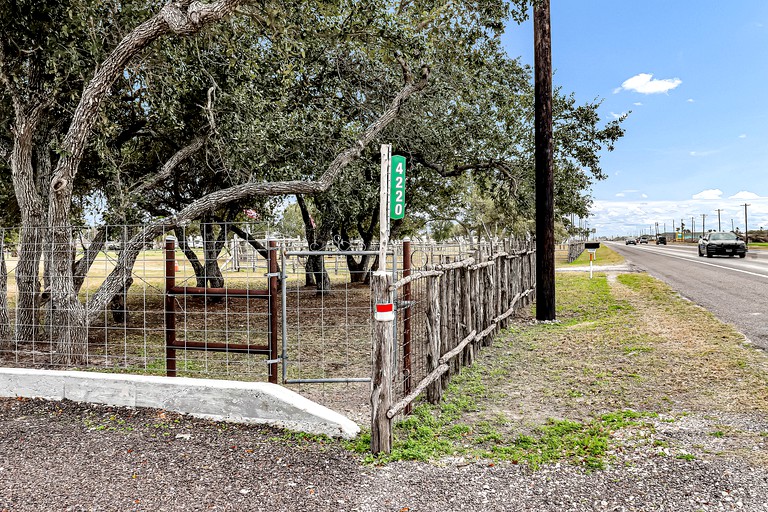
x=466 y=303
x=574 y=250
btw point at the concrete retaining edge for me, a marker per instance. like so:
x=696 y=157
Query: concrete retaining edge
x=219 y=400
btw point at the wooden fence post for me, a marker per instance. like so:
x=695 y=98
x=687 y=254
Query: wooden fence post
x=170 y=306
x=444 y=319
x=381 y=387
x=407 y=366
x=465 y=293
x=272 y=256
x=435 y=390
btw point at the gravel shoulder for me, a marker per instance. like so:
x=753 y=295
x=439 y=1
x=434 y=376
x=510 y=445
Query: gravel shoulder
x=702 y=447
x=77 y=457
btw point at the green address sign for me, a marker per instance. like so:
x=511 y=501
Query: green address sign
x=397 y=188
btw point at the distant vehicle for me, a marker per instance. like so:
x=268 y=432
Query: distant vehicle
x=726 y=243
x=661 y=240
x=643 y=240
x=630 y=241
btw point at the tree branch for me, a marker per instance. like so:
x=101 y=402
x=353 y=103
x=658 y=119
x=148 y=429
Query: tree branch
x=114 y=282
x=5 y=79
x=175 y=17
x=258 y=246
x=168 y=167
x=81 y=267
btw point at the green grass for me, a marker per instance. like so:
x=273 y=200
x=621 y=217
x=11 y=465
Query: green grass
x=619 y=355
x=603 y=256
x=432 y=432
x=428 y=435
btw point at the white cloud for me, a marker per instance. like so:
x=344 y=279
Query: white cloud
x=743 y=136
x=702 y=153
x=618 y=116
x=745 y=195
x=637 y=104
x=713 y=193
x=626 y=217
x=644 y=83
x=621 y=194
x=690 y=100
x=644 y=196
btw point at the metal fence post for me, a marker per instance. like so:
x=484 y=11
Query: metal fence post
x=170 y=306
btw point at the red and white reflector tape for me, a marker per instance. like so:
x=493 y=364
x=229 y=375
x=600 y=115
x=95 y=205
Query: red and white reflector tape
x=384 y=312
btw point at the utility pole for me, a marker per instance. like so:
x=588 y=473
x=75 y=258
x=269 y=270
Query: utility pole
x=732 y=228
x=682 y=231
x=693 y=227
x=543 y=149
x=703 y=230
x=718 y=219
x=746 y=229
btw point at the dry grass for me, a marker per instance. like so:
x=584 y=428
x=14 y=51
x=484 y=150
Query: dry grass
x=627 y=343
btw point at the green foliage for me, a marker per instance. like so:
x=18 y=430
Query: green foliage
x=279 y=90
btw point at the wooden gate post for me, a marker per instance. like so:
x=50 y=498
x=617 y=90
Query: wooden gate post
x=170 y=306
x=272 y=256
x=381 y=386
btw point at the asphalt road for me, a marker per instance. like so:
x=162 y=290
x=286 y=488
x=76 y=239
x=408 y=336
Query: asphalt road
x=734 y=289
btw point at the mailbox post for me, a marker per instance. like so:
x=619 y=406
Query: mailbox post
x=592 y=249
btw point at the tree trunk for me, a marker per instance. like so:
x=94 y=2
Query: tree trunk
x=358 y=270
x=211 y=249
x=374 y=268
x=181 y=236
x=67 y=322
x=6 y=343
x=316 y=264
x=119 y=304
x=83 y=265
x=309 y=232
x=27 y=280
x=31 y=207
x=309 y=273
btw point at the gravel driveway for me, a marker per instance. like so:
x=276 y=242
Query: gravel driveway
x=66 y=456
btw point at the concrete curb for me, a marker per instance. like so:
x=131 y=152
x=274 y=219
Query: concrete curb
x=220 y=400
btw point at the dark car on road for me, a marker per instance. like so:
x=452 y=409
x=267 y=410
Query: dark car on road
x=630 y=241
x=661 y=240
x=726 y=243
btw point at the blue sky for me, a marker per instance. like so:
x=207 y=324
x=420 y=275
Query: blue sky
x=694 y=77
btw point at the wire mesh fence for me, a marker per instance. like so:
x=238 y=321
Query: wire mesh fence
x=127 y=331
x=327 y=327
x=207 y=305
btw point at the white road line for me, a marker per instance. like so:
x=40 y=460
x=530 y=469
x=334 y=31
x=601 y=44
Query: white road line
x=694 y=259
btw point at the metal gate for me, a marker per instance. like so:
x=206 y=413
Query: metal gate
x=327 y=334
